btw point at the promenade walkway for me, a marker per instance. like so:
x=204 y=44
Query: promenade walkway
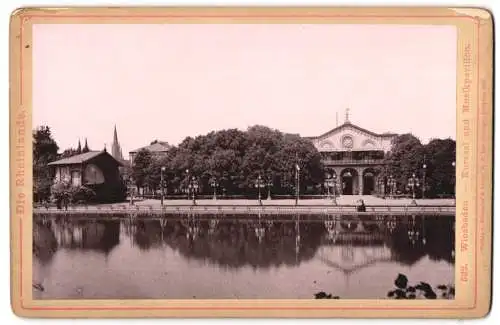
x=345 y=205
x=349 y=200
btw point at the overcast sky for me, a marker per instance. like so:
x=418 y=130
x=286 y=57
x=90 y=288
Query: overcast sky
x=167 y=82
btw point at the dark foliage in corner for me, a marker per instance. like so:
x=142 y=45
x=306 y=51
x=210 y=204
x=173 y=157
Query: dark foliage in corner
x=421 y=290
x=324 y=295
x=403 y=290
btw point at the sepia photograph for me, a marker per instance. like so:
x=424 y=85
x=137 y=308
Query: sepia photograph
x=244 y=161
x=251 y=162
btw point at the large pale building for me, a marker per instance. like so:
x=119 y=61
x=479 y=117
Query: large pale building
x=158 y=149
x=352 y=154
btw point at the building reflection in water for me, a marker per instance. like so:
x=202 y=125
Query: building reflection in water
x=74 y=233
x=244 y=256
x=353 y=244
x=344 y=243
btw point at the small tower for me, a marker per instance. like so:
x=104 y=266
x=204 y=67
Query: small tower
x=85 y=147
x=347 y=116
x=79 y=148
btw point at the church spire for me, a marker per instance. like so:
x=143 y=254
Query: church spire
x=116 y=150
x=79 y=149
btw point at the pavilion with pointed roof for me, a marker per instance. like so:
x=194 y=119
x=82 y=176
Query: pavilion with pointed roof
x=352 y=155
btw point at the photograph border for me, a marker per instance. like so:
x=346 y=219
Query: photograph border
x=473 y=169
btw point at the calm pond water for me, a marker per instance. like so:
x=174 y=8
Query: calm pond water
x=238 y=257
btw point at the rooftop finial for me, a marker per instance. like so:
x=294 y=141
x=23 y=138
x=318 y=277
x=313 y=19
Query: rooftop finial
x=336 y=119
x=347 y=115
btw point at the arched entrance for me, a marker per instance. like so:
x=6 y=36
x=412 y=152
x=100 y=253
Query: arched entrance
x=349 y=181
x=368 y=181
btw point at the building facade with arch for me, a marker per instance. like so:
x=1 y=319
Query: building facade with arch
x=353 y=155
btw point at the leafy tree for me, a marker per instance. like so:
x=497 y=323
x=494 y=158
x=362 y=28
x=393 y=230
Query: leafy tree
x=126 y=172
x=236 y=158
x=440 y=173
x=404 y=159
x=68 y=153
x=44 y=151
x=407 y=157
x=300 y=151
x=140 y=169
x=72 y=151
x=153 y=173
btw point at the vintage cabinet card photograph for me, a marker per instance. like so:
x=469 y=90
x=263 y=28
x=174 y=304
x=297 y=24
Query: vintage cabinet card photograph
x=251 y=162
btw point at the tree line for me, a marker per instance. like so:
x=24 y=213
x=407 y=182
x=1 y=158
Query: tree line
x=434 y=162
x=45 y=151
x=233 y=160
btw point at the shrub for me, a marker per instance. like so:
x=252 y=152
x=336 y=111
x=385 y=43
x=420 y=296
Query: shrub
x=82 y=194
x=421 y=290
x=64 y=191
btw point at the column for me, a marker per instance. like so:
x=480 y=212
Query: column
x=360 y=181
x=339 y=181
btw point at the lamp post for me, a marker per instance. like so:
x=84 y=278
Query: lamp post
x=214 y=185
x=424 y=168
x=297 y=179
x=381 y=188
x=269 y=184
x=259 y=183
x=188 y=180
x=334 y=188
x=391 y=182
x=162 y=170
x=331 y=181
x=131 y=190
x=328 y=184
x=413 y=183
x=193 y=187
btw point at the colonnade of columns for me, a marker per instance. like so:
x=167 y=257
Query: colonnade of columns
x=352 y=179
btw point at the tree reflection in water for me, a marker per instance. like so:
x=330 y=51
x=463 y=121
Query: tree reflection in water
x=252 y=240
x=345 y=244
x=232 y=242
